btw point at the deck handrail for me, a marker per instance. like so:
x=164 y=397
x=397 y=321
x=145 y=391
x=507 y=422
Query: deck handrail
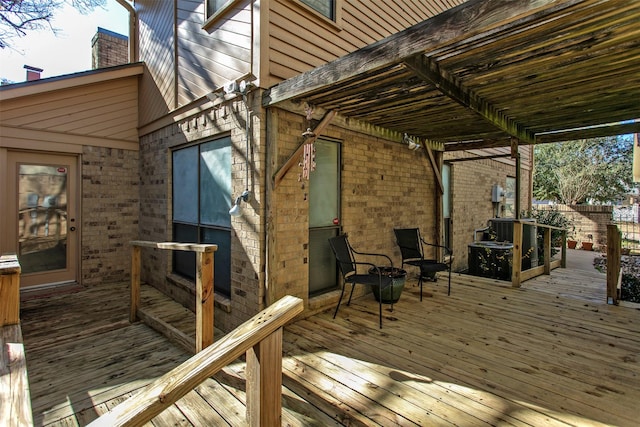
x=517 y=275
x=260 y=338
x=203 y=296
x=15 y=398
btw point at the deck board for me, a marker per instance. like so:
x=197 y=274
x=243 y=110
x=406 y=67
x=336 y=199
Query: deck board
x=549 y=353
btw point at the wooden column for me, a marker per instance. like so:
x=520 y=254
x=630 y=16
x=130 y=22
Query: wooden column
x=547 y=250
x=204 y=300
x=614 y=250
x=516 y=268
x=264 y=381
x=515 y=153
x=135 y=283
x=9 y=290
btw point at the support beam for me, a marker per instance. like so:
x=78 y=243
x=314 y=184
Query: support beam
x=429 y=70
x=293 y=159
x=481 y=19
x=515 y=153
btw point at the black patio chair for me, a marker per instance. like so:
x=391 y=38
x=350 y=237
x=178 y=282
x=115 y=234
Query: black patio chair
x=345 y=256
x=412 y=250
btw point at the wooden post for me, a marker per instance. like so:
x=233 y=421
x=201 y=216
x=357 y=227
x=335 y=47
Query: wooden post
x=204 y=300
x=135 y=283
x=614 y=250
x=264 y=381
x=516 y=261
x=9 y=290
x=563 y=256
x=547 y=250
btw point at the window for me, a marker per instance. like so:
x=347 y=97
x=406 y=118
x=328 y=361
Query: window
x=213 y=7
x=509 y=210
x=201 y=202
x=324 y=7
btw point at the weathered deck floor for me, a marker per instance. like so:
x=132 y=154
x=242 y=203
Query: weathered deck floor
x=486 y=355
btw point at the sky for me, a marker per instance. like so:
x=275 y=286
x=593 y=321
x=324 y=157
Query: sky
x=68 y=51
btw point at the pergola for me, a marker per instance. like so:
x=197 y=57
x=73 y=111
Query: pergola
x=490 y=71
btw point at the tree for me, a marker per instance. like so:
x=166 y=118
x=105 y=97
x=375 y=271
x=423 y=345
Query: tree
x=17 y=17
x=572 y=172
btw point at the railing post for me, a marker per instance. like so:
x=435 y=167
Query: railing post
x=563 y=256
x=614 y=246
x=204 y=300
x=547 y=250
x=264 y=382
x=516 y=267
x=135 y=283
x=9 y=290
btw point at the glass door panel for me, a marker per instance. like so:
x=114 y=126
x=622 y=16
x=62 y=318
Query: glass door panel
x=42 y=209
x=324 y=212
x=42 y=232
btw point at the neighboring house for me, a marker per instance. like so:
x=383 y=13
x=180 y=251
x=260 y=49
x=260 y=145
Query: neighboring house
x=232 y=90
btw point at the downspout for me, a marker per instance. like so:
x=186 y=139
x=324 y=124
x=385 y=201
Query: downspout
x=133 y=34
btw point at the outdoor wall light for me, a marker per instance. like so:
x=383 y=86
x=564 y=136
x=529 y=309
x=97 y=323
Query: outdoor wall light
x=236 y=210
x=413 y=146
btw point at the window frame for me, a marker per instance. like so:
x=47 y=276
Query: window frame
x=216 y=16
x=198 y=226
x=336 y=22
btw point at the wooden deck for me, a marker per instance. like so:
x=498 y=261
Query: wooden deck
x=486 y=355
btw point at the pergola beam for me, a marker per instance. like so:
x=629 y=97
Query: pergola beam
x=481 y=19
x=430 y=71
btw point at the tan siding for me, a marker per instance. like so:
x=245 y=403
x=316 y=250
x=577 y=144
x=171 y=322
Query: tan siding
x=209 y=58
x=101 y=110
x=300 y=40
x=157 y=95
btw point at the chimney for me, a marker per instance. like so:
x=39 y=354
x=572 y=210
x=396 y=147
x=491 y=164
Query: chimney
x=33 y=73
x=109 y=49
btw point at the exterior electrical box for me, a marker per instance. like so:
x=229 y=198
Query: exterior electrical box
x=497 y=193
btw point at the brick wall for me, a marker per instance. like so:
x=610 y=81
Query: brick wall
x=471 y=202
x=590 y=222
x=109 y=49
x=247 y=241
x=109 y=213
x=384 y=185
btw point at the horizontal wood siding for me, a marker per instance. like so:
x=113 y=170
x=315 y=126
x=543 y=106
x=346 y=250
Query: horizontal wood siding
x=101 y=110
x=300 y=40
x=156 y=29
x=208 y=58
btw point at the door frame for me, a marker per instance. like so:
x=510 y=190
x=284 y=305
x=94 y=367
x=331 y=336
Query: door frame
x=9 y=227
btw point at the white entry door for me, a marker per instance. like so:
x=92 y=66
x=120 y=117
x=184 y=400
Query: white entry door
x=42 y=225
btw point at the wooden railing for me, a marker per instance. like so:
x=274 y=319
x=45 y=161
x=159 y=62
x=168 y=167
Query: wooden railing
x=517 y=274
x=260 y=338
x=204 y=294
x=15 y=399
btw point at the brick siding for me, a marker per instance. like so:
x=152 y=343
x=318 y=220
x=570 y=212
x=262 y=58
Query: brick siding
x=109 y=213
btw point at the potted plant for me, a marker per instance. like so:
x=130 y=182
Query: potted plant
x=588 y=246
x=398 y=277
